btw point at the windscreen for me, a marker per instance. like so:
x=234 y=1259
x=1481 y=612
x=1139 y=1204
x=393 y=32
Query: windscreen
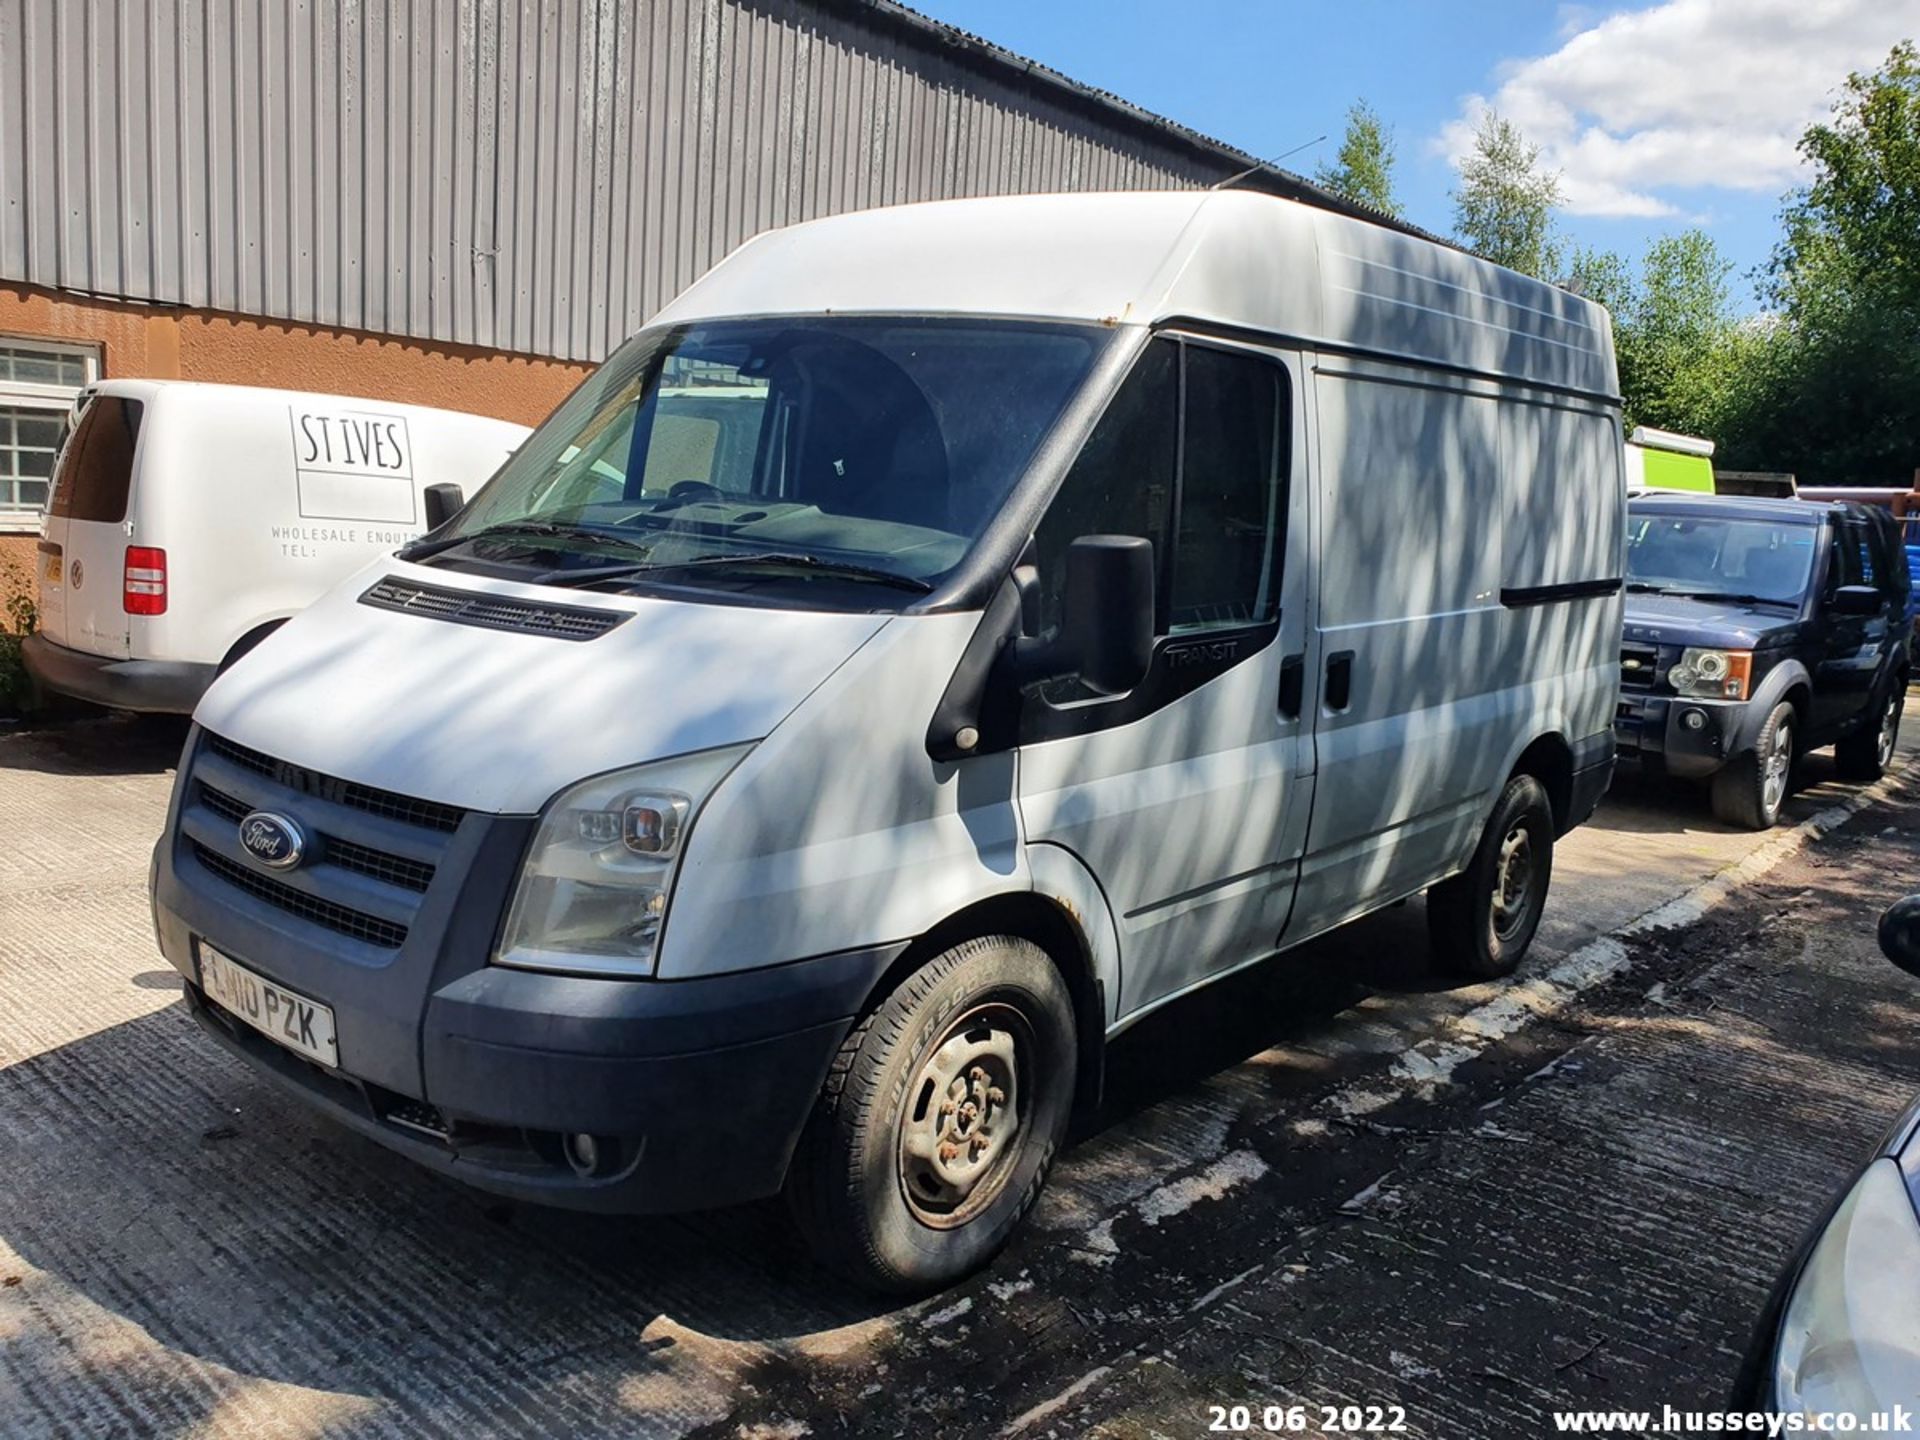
x=1711 y=557
x=878 y=445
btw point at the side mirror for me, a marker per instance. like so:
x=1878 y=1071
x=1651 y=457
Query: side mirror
x=1900 y=934
x=442 y=503
x=1856 y=600
x=1106 y=624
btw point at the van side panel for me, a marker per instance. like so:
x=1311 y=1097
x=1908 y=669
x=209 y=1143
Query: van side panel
x=1563 y=502
x=1409 y=593
x=1453 y=511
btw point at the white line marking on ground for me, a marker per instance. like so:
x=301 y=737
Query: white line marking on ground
x=1436 y=1060
x=1431 y=1063
x=1066 y=1397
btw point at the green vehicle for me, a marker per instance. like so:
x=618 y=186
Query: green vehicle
x=1662 y=460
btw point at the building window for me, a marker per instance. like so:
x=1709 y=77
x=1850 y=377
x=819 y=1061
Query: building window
x=39 y=381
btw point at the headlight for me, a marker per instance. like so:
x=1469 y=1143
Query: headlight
x=593 y=893
x=1713 y=674
x=1849 y=1342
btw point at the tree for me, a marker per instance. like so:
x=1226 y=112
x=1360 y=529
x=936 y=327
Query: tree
x=1680 y=318
x=1672 y=327
x=1855 y=229
x=1364 y=171
x=1834 y=392
x=1503 y=206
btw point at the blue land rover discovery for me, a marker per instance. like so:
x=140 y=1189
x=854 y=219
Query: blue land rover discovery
x=1757 y=630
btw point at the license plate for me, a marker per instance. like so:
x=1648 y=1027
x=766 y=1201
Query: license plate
x=302 y=1025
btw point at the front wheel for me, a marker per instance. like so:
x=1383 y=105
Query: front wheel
x=1752 y=787
x=1482 y=920
x=939 y=1119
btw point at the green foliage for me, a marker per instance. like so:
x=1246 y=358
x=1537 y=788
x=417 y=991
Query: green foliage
x=1672 y=327
x=17 y=618
x=1826 y=385
x=1503 y=206
x=1854 y=232
x=1364 y=168
x=1836 y=395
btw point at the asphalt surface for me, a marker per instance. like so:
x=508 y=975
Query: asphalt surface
x=1335 y=1180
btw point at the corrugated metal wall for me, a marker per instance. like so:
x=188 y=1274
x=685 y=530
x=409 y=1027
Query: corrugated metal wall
x=536 y=176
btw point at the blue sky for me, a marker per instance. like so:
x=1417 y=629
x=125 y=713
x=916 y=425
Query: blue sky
x=1659 y=115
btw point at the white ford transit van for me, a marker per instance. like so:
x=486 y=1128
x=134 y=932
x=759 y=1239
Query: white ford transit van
x=188 y=520
x=944 y=635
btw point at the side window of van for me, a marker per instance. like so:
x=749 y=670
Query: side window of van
x=1122 y=481
x=1215 y=485
x=1226 y=564
x=96 y=468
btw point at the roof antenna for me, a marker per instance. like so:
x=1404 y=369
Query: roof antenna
x=1262 y=164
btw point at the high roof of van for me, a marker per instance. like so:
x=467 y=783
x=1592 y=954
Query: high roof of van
x=1233 y=258
x=207 y=394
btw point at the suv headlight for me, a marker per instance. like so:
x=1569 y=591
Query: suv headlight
x=1713 y=674
x=593 y=892
x=1847 y=1341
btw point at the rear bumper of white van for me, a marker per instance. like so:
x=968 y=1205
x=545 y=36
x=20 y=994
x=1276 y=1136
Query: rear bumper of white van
x=159 y=686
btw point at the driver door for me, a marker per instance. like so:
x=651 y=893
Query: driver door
x=1188 y=796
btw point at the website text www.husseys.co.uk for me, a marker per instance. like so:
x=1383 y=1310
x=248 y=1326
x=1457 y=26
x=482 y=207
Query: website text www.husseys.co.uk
x=1669 y=1421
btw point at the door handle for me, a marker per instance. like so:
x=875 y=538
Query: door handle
x=1293 y=686
x=1339 y=691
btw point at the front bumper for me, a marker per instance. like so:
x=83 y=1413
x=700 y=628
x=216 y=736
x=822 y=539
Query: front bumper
x=695 y=1091
x=170 y=687
x=1688 y=738
x=513 y=1073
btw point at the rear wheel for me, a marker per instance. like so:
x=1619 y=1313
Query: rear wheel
x=1482 y=920
x=939 y=1119
x=1866 y=755
x=1752 y=787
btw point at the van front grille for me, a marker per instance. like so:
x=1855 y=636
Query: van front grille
x=370 y=929
x=347 y=854
x=492 y=612
x=427 y=814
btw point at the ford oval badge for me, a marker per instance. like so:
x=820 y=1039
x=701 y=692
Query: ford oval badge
x=272 y=839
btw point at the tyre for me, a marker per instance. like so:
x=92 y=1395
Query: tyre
x=1751 y=788
x=939 y=1119
x=1867 y=754
x=1482 y=920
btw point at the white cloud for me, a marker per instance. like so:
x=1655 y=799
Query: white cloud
x=1684 y=95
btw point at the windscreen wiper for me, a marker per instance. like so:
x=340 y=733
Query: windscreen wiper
x=553 y=528
x=797 y=560
x=1733 y=597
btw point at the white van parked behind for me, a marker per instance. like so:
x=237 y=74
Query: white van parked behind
x=187 y=521
x=944 y=635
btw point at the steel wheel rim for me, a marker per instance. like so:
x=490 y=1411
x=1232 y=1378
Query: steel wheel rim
x=1773 y=785
x=965 y=1112
x=1513 y=883
x=1889 y=731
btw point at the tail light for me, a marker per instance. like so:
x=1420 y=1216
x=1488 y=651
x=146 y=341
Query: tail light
x=146 y=583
